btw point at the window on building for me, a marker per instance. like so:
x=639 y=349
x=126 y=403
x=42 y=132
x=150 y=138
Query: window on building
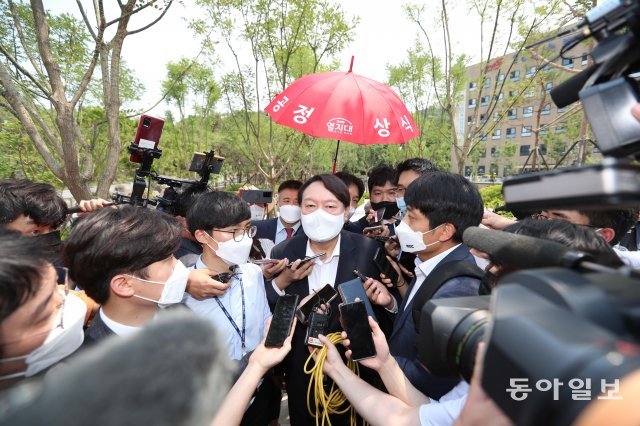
x=500 y=97
x=529 y=93
x=467 y=170
x=500 y=78
x=472 y=103
x=469 y=119
x=480 y=170
x=585 y=59
x=495 y=135
x=548 y=86
x=524 y=150
x=531 y=71
x=493 y=169
x=527 y=111
x=546 y=110
x=512 y=114
x=507 y=170
x=486 y=83
x=547 y=67
x=484 y=101
x=512 y=93
x=561 y=127
x=567 y=62
x=526 y=131
x=483 y=118
x=561 y=110
x=544 y=129
x=514 y=75
x=483 y=137
x=511 y=132
x=542 y=149
x=473 y=85
x=495 y=152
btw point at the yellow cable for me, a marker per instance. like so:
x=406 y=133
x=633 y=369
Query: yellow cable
x=326 y=404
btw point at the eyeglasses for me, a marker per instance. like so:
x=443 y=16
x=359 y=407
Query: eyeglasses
x=238 y=234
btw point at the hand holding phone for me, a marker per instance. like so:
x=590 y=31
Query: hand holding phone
x=266 y=261
x=306 y=259
x=385 y=267
x=353 y=317
x=282 y=320
x=324 y=296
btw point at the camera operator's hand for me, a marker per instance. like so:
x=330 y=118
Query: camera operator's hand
x=479 y=409
x=635 y=110
x=383 y=358
x=271 y=270
x=378 y=293
x=202 y=286
x=88 y=206
x=295 y=273
x=494 y=221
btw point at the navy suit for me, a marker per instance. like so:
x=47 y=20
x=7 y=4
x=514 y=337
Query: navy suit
x=356 y=252
x=402 y=342
x=267 y=228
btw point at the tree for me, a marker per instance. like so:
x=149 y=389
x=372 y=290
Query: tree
x=285 y=40
x=50 y=62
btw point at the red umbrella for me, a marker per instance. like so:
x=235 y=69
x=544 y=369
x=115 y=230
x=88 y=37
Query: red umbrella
x=344 y=106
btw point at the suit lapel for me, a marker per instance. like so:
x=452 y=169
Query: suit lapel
x=347 y=259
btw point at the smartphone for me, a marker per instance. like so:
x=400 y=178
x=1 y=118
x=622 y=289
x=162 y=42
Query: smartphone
x=371 y=229
x=282 y=320
x=257 y=196
x=325 y=295
x=147 y=135
x=352 y=290
x=266 y=261
x=379 y=215
x=384 y=266
x=354 y=321
x=306 y=259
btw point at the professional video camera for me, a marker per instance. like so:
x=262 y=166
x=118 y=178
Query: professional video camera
x=607 y=90
x=144 y=150
x=563 y=331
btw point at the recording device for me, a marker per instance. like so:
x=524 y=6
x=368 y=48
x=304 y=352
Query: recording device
x=282 y=320
x=607 y=91
x=144 y=150
x=352 y=291
x=324 y=296
x=318 y=324
x=382 y=239
x=306 y=259
x=384 y=266
x=371 y=229
x=257 y=196
x=265 y=261
x=353 y=317
x=378 y=215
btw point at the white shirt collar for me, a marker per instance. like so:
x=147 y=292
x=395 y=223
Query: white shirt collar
x=336 y=251
x=425 y=268
x=280 y=226
x=116 y=327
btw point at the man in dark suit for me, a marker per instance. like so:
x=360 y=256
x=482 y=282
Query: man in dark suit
x=325 y=205
x=287 y=224
x=440 y=206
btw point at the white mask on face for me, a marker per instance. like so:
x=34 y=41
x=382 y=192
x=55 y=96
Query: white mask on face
x=233 y=252
x=289 y=213
x=321 y=226
x=59 y=344
x=411 y=241
x=352 y=211
x=174 y=287
x=257 y=212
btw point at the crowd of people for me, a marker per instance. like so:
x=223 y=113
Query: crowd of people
x=70 y=306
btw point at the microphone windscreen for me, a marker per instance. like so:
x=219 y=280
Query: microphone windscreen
x=175 y=371
x=517 y=250
x=566 y=93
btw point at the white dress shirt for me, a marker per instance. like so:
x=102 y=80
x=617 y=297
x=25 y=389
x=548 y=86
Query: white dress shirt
x=118 y=328
x=256 y=309
x=281 y=233
x=447 y=410
x=630 y=258
x=323 y=272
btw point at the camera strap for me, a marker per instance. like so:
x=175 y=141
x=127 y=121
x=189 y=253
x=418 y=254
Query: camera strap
x=244 y=317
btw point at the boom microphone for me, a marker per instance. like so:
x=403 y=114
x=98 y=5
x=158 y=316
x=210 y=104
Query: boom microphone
x=521 y=250
x=173 y=372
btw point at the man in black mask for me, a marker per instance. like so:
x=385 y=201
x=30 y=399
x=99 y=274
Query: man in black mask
x=382 y=193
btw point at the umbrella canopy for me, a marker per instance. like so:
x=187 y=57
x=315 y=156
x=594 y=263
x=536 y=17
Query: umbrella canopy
x=344 y=106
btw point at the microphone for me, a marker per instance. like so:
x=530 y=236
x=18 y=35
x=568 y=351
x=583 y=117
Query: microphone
x=521 y=250
x=175 y=371
x=77 y=209
x=566 y=92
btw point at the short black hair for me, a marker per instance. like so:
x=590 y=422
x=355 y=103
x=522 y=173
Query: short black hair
x=186 y=198
x=333 y=185
x=217 y=209
x=380 y=175
x=113 y=241
x=350 y=179
x=419 y=165
x=576 y=237
x=620 y=220
x=22 y=260
x=290 y=184
x=445 y=197
x=39 y=201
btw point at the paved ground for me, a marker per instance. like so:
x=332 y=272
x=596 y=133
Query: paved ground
x=284 y=411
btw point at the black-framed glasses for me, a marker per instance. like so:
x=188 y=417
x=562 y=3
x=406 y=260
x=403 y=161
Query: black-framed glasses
x=238 y=234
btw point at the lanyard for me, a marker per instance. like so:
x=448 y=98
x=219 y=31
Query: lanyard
x=233 y=323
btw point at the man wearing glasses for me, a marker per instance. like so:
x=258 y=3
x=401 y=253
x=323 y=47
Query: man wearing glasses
x=221 y=223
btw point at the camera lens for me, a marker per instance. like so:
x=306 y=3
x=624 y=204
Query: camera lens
x=146 y=122
x=464 y=341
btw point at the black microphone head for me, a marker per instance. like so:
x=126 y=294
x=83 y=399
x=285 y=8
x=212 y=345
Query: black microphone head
x=520 y=250
x=566 y=92
x=173 y=372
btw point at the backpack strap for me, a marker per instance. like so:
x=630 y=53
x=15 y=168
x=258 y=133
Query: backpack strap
x=440 y=275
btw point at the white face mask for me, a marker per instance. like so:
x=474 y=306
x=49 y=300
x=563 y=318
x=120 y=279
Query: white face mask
x=411 y=241
x=233 y=252
x=321 y=226
x=59 y=344
x=257 y=212
x=352 y=211
x=289 y=213
x=174 y=287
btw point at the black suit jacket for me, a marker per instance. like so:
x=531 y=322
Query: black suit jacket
x=267 y=228
x=356 y=252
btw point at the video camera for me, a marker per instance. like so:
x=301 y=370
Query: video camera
x=144 y=150
x=563 y=324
